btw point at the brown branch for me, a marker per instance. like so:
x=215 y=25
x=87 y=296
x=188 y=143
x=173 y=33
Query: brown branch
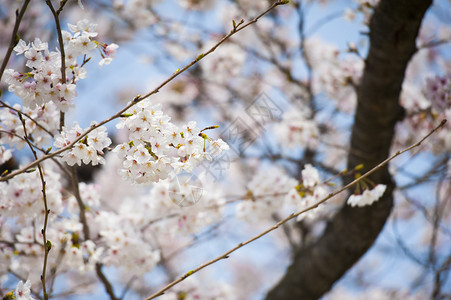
x=86 y=232
x=14 y=36
x=139 y=98
x=292 y=216
x=394 y=27
x=55 y=14
x=81 y=205
x=108 y=287
x=4 y=104
x=47 y=243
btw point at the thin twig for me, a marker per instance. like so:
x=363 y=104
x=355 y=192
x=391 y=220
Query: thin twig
x=434 y=43
x=63 y=169
x=127 y=286
x=54 y=269
x=141 y=98
x=36 y=294
x=22 y=138
x=14 y=36
x=81 y=205
x=292 y=216
x=108 y=287
x=86 y=232
x=61 y=44
x=4 y=104
x=47 y=244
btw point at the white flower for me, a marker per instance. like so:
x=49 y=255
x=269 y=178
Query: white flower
x=295 y=130
x=21 y=47
x=438 y=90
x=105 y=61
x=142 y=154
x=217 y=147
x=23 y=291
x=157 y=148
x=368 y=197
x=43 y=83
x=310 y=176
x=72 y=159
x=80 y=150
x=110 y=50
x=5 y=154
x=227 y=62
x=87 y=149
x=378 y=191
x=82 y=45
x=84 y=27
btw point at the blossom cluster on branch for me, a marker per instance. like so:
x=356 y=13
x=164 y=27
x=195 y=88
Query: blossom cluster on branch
x=168 y=178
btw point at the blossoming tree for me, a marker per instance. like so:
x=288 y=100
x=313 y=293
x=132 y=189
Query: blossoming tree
x=259 y=125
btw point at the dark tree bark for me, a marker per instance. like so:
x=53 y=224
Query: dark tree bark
x=315 y=268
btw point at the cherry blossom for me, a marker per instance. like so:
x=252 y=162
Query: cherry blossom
x=23 y=291
x=87 y=150
x=438 y=91
x=297 y=130
x=157 y=147
x=166 y=197
x=43 y=83
x=368 y=197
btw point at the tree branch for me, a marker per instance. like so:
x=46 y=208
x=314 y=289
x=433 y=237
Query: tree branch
x=225 y=255
x=394 y=27
x=240 y=26
x=14 y=36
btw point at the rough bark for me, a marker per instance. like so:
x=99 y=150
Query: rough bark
x=393 y=28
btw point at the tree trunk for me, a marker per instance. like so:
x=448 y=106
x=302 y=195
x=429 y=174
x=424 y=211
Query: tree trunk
x=393 y=28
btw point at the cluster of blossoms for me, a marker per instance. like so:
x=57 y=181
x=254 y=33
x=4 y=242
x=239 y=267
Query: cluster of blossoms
x=266 y=193
x=46 y=116
x=116 y=233
x=88 y=149
x=368 y=197
x=270 y=191
x=191 y=203
x=297 y=130
x=121 y=236
x=156 y=147
x=333 y=75
x=23 y=291
x=136 y=12
x=309 y=192
x=412 y=99
x=140 y=223
x=178 y=206
x=21 y=197
x=227 y=63
x=438 y=91
x=423 y=112
x=44 y=82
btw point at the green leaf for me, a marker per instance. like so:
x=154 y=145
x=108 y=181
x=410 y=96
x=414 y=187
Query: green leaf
x=200 y=57
x=126 y=115
x=48 y=245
